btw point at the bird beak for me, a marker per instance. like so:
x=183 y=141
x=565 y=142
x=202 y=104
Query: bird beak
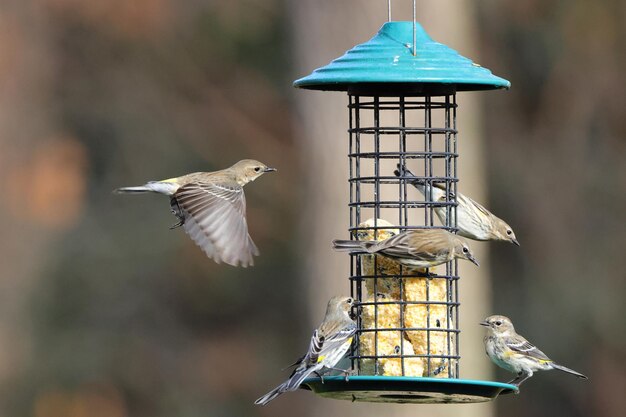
x=515 y=241
x=268 y=169
x=484 y=323
x=472 y=260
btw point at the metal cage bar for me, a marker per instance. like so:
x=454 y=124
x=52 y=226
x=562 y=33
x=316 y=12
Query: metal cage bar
x=418 y=133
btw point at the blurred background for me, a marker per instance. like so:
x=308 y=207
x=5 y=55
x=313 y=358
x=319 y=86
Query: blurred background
x=106 y=312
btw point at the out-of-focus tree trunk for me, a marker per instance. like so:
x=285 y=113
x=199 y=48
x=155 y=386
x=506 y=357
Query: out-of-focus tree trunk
x=23 y=92
x=322 y=31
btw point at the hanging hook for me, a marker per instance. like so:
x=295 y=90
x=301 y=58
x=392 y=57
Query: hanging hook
x=414 y=25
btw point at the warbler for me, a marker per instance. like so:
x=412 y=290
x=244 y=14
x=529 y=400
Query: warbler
x=329 y=343
x=512 y=352
x=473 y=220
x=211 y=207
x=419 y=248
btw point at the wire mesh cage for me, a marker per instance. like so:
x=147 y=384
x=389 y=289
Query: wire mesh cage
x=407 y=318
x=402 y=106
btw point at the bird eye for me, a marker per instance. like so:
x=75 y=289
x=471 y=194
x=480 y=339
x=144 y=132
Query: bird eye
x=349 y=301
x=498 y=323
x=465 y=250
x=257 y=169
x=509 y=232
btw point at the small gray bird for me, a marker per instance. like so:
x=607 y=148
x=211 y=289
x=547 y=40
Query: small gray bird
x=330 y=342
x=211 y=207
x=512 y=352
x=474 y=221
x=419 y=248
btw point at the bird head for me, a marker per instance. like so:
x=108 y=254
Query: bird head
x=498 y=324
x=462 y=251
x=341 y=305
x=249 y=170
x=503 y=231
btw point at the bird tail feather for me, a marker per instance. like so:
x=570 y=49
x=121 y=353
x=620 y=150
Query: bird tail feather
x=418 y=183
x=291 y=384
x=271 y=395
x=162 y=187
x=351 y=245
x=569 y=371
x=132 y=190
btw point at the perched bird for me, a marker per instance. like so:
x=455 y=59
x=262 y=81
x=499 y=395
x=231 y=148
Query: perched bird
x=211 y=207
x=512 y=352
x=419 y=248
x=330 y=342
x=474 y=221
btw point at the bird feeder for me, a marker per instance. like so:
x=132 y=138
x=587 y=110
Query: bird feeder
x=401 y=88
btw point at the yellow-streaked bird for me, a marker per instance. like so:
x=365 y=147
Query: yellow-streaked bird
x=474 y=221
x=510 y=351
x=419 y=248
x=329 y=344
x=211 y=207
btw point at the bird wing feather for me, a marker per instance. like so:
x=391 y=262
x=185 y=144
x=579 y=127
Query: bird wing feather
x=520 y=345
x=215 y=220
x=423 y=245
x=326 y=339
x=479 y=207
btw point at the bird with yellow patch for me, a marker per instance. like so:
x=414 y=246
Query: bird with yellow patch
x=211 y=207
x=473 y=220
x=329 y=344
x=511 y=351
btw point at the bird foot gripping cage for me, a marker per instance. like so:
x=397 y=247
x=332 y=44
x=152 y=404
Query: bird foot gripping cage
x=402 y=102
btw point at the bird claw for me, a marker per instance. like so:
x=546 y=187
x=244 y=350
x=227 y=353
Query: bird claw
x=174 y=226
x=320 y=376
x=176 y=211
x=348 y=374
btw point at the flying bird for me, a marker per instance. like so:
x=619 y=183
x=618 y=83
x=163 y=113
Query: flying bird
x=211 y=207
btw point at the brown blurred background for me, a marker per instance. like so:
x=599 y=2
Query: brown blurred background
x=105 y=312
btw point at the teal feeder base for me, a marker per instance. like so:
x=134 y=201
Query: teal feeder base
x=407 y=390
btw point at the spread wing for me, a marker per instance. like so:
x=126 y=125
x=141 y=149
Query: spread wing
x=520 y=345
x=215 y=219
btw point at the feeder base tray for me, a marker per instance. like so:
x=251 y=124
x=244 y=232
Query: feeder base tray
x=387 y=389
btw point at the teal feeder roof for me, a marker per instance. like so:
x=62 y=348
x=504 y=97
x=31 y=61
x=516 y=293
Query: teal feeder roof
x=387 y=62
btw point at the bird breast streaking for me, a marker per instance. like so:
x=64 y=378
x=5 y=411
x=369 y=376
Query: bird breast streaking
x=211 y=207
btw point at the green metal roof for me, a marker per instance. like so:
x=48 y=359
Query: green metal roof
x=388 y=58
